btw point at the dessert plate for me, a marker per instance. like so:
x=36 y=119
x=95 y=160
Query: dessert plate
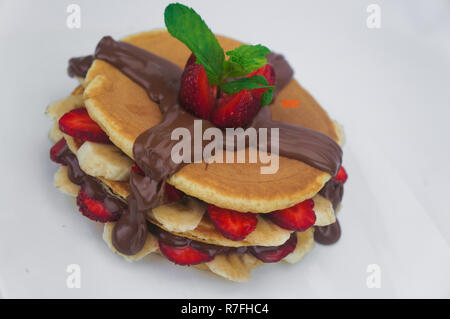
x=386 y=228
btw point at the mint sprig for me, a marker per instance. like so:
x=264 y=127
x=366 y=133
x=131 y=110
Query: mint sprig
x=245 y=59
x=184 y=24
x=250 y=83
x=187 y=26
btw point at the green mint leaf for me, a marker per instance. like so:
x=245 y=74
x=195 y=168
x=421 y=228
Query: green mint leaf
x=245 y=59
x=233 y=70
x=254 y=82
x=266 y=97
x=187 y=26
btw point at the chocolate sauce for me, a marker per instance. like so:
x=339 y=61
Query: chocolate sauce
x=212 y=250
x=327 y=235
x=152 y=149
x=333 y=191
x=177 y=241
x=271 y=254
x=74 y=172
x=93 y=188
x=79 y=66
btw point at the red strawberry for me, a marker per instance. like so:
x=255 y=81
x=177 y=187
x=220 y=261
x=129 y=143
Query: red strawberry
x=299 y=217
x=185 y=255
x=341 y=175
x=94 y=209
x=235 y=110
x=137 y=169
x=78 y=124
x=269 y=73
x=56 y=151
x=173 y=194
x=232 y=224
x=190 y=61
x=196 y=95
x=276 y=253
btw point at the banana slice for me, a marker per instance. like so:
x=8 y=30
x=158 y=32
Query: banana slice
x=61 y=107
x=305 y=242
x=324 y=211
x=233 y=266
x=55 y=134
x=104 y=160
x=63 y=183
x=180 y=216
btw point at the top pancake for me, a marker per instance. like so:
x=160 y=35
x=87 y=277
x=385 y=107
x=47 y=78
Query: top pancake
x=123 y=109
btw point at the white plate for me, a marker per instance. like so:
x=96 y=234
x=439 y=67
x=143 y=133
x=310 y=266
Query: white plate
x=388 y=87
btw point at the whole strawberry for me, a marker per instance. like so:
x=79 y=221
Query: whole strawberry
x=244 y=79
x=196 y=95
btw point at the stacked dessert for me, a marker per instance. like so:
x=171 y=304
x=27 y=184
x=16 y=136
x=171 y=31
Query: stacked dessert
x=114 y=141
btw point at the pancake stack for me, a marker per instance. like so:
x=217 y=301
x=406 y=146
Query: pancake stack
x=123 y=110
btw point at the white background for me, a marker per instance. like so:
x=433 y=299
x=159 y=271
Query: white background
x=389 y=87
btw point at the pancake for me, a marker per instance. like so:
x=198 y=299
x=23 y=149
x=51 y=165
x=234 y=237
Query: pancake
x=177 y=218
x=123 y=109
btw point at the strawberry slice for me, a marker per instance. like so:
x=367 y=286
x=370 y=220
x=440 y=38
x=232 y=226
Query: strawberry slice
x=341 y=175
x=185 y=255
x=173 y=194
x=196 y=95
x=298 y=218
x=235 y=110
x=78 y=124
x=232 y=224
x=57 y=150
x=276 y=253
x=266 y=71
x=94 y=209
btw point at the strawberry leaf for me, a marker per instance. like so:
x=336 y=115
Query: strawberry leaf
x=187 y=26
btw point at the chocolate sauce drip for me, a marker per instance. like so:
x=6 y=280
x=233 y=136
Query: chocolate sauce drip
x=152 y=149
x=333 y=191
x=90 y=185
x=95 y=190
x=308 y=146
x=283 y=71
x=74 y=172
x=212 y=250
x=80 y=66
x=177 y=241
x=130 y=232
x=327 y=235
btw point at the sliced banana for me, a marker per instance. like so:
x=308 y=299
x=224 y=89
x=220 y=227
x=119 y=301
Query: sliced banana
x=268 y=233
x=324 y=211
x=233 y=266
x=305 y=242
x=63 y=183
x=180 y=216
x=61 y=107
x=104 y=160
x=55 y=134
